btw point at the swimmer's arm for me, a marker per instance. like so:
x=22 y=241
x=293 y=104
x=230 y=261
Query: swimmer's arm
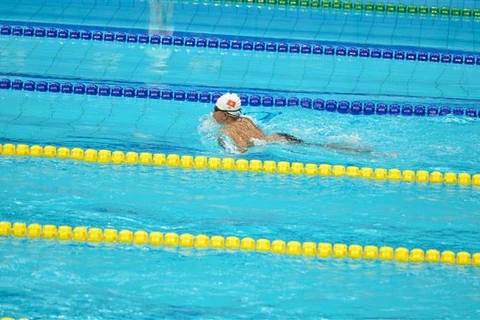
x=241 y=145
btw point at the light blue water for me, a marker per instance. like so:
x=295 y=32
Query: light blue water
x=303 y=208
x=151 y=284
x=42 y=279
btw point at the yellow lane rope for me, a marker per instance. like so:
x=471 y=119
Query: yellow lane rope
x=240 y=165
x=217 y=242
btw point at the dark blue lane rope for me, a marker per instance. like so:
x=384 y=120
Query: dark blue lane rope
x=254 y=100
x=273 y=45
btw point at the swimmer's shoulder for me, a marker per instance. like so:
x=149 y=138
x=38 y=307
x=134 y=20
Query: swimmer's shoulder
x=248 y=120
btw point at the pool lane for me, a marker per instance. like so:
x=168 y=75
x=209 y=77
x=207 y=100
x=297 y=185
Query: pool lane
x=358 y=27
x=239 y=70
x=442 y=143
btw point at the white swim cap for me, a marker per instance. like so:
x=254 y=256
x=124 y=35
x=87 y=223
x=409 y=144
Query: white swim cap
x=230 y=103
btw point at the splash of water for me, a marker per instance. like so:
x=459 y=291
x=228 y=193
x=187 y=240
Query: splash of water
x=210 y=132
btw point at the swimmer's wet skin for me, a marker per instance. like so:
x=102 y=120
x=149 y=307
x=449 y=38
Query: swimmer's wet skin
x=240 y=129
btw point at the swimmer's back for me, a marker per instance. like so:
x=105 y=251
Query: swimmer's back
x=245 y=129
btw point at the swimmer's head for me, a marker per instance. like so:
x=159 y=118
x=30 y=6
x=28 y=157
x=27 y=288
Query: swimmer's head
x=227 y=105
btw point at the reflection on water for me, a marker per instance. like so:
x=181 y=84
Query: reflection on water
x=160 y=23
x=161 y=13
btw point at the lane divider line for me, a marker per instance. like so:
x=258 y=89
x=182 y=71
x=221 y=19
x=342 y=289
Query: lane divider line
x=370 y=7
x=254 y=100
x=217 y=242
x=310 y=48
x=241 y=165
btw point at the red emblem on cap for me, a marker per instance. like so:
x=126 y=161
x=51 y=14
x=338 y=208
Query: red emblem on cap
x=231 y=104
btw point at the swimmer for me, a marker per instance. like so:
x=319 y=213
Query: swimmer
x=243 y=131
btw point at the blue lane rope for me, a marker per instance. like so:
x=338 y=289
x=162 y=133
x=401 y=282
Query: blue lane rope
x=246 y=45
x=254 y=100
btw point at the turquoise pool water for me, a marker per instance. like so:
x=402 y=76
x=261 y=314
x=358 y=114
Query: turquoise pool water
x=51 y=279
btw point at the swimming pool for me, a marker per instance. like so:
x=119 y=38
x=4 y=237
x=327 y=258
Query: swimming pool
x=181 y=228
